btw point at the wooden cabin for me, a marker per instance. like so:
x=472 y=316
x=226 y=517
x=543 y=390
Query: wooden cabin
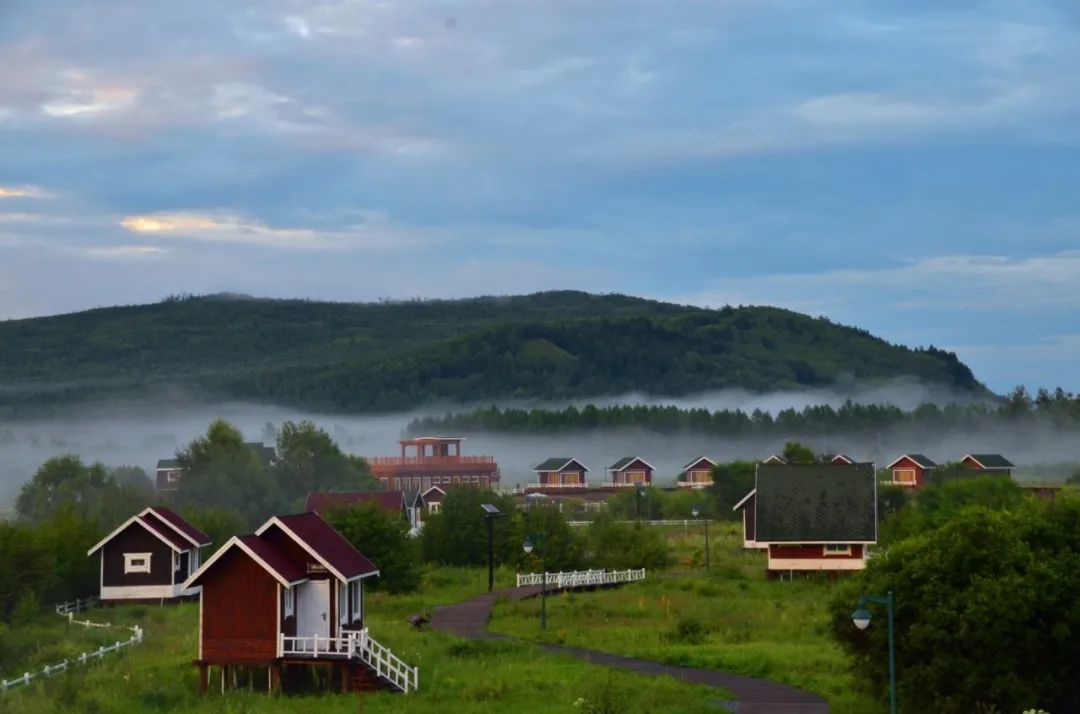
x=812 y=517
x=559 y=472
x=841 y=459
x=629 y=471
x=322 y=502
x=697 y=473
x=775 y=459
x=911 y=470
x=167 y=475
x=290 y=595
x=991 y=463
x=149 y=557
x=431 y=500
x=428 y=461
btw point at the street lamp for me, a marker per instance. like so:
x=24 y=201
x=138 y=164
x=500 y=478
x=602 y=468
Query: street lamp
x=490 y=514
x=861 y=618
x=640 y=492
x=695 y=512
x=527 y=546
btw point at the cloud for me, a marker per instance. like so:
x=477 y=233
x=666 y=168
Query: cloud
x=24 y=192
x=125 y=252
x=231 y=228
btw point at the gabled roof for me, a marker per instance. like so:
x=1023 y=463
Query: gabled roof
x=922 y=461
x=990 y=462
x=171 y=518
x=841 y=459
x=263 y=553
x=325 y=501
x=433 y=495
x=697 y=461
x=742 y=502
x=558 y=463
x=626 y=461
x=168 y=464
x=322 y=542
x=775 y=459
x=160 y=532
x=816 y=503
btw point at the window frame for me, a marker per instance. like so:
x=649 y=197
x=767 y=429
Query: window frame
x=914 y=477
x=836 y=549
x=129 y=563
x=288 y=601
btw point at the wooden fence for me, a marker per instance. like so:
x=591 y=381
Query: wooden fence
x=581 y=578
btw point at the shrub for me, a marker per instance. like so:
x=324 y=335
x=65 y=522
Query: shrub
x=688 y=631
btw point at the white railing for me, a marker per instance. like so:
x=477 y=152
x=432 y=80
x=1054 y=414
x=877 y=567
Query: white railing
x=686 y=522
x=49 y=670
x=355 y=644
x=581 y=578
x=385 y=663
x=621 y=484
x=77 y=605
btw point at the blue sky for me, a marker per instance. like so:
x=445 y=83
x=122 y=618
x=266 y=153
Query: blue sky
x=908 y=167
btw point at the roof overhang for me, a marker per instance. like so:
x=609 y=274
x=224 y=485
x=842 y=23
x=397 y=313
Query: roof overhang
x=744 y=499
x=237 y=543
x=629 y=463
x=275 y=521
x=697 y=461
x=909 y=458
x=172 y=527
x=137 y=518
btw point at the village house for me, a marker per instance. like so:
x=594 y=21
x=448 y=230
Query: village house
x=167 y=475
x=428 y=461
x=841 y=459
x=285 y=598
x=812 y=517
x=991 y=463
x=697 y=473
x=629 y=471
x=431 y=500
x=775 y=459
x=559 y=472
x=149 y=557
x=911 y=470
x=323 y=502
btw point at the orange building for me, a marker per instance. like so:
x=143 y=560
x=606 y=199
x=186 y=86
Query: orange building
x=428 y=461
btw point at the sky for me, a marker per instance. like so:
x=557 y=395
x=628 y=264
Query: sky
x=911 y=168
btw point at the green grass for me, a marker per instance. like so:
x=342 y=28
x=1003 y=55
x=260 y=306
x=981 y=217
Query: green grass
x=455 y=676
x=733 y=620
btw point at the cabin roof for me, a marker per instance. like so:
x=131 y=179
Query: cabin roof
x=626 y=461
x=742 y=502
x=177 y=523
x=990 y=461
x=324 y=501
x=697 y=461
x=558 y=463
x=169 y=464
x=269 y=558
x=922 y=461
x=434 y=494
x=160 y=529
x=154 y=521
x=325 y=544
x=816 y=503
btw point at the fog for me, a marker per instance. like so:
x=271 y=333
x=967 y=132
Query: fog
x=140 y=434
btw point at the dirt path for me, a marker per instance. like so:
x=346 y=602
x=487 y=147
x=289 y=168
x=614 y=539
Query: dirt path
x=754 y=696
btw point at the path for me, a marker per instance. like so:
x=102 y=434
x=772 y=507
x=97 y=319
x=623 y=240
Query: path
x=754 y=696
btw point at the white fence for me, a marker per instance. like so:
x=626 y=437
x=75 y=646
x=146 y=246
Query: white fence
x=77 y=605
x=49 y=670
x=686 y=522
x=581 y=578
x=362 y=646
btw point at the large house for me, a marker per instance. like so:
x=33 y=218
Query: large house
x=991 y=463
x=629 y=471
x=559 y=472
x=812 y=517
x=149 y=557
x=291 y=595
x=697 y=473
x=428 y=461
x=911 y=470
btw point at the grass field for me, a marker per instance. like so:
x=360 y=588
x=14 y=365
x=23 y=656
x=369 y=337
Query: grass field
x=732 y=620
x=455 y=676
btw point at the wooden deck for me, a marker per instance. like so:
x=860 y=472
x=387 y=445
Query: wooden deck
x=469 y=619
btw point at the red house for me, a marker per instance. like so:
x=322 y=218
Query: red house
x=559 y=473
x=629 y=471
x=841 y=459
x=812 y=517
x=322 y=502
x=286 y=597
x=148 y=557
x=168 y=474
x=697 y=473
x=911 y=470
x=991 y=463
x=428 y=461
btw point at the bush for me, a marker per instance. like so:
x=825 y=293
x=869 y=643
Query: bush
x=384 y=538
x=688 y=631
x=619 y=546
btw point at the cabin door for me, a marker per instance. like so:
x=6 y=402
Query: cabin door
x=313 y=610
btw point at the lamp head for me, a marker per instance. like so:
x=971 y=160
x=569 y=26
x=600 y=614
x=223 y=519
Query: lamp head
x=861 y=618
x=527 y=546
x=695 y=511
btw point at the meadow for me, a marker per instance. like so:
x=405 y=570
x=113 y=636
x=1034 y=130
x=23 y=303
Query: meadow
x=730 y=619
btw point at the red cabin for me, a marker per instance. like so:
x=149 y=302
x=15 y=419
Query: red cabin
x=558 y=474
x=911 y=470
x=290 y=595
x=991 y=463
x=428 y=461
x=629 y=471
x=697 y=473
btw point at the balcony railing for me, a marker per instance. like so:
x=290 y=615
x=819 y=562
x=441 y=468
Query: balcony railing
x=570 y=486
x=428 y=460
x=359 y=645
x=623 y=484
x=695 y=484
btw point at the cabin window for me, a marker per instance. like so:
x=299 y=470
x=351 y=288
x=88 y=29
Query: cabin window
x=838 y=549
x=903 y=476
x=354 y=598
x=434 y=507
x=343 y=603
x=289 y=599
x=136 y=563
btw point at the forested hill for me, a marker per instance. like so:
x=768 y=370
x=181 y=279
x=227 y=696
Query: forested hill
x=390 y=355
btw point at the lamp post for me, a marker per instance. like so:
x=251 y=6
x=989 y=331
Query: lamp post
x=695 y=512
x=527 y=546
x=861 y=618
x=639 y=491
x=490 y=514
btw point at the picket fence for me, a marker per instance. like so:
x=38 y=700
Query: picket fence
x=69 y=609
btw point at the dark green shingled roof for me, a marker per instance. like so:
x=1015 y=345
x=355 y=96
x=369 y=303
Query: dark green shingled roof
x=555 y=463
x=168 y=464
x=992 y=461
x=814 y=503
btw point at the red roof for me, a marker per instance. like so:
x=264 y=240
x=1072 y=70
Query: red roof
x=323 y=502
x=174 y=520
x=318 y=536
x=272 y=557
x=164 y=531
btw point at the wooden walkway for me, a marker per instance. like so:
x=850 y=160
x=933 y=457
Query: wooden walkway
x=469 y=619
